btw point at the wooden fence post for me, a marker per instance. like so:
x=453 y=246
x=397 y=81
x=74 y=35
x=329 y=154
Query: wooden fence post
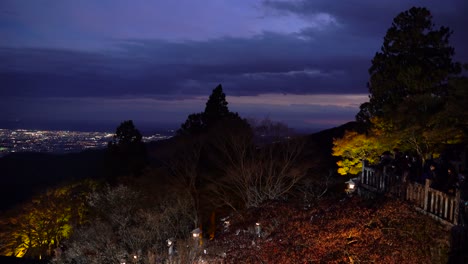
x=438 y=204
x=382 y=179
x=363 y=175
x=426 y=193
x=457 y=207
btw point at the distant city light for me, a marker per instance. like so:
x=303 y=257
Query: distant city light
x=23 y=140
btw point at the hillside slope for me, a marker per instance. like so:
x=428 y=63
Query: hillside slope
x=25 y=174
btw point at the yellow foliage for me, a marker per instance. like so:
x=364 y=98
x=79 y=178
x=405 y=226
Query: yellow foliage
x=353 y=148
x=43 y=222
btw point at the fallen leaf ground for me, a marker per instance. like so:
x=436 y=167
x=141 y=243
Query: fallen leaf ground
x=350 y=230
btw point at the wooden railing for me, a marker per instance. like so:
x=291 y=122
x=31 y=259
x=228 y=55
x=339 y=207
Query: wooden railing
x=377 y=181
x=368 y=179
x=439 y=205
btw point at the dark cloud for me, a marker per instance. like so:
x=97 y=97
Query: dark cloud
x=104 y=62
x=330 y=60
x=364 y=18
x=265 y=64
x=371 y=19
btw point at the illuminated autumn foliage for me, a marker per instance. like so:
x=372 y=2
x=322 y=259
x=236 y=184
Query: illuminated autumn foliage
x=353 y=148
x=42 y=224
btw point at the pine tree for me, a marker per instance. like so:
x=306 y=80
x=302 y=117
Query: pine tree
x=216 y=112
x=415 y=61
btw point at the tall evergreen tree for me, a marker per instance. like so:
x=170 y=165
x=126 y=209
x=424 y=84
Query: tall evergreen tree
x=414 y=65
x=410 y=83
x=216 y=106
x=216 y=112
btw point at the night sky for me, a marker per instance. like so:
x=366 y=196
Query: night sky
x=156 y=61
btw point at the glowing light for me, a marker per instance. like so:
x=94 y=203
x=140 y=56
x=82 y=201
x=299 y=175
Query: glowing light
x=258 y=229
x=196 y=233
x=350 y=186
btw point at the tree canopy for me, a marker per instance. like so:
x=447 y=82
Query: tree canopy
x=414 y=84
x=126 y=153
x=42 y=224
x=216 y=112
x=354 y=147
x=415 y=62
x=126 y=134
x=216 y=106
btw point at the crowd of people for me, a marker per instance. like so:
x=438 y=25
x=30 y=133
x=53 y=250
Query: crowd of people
x=443 y=175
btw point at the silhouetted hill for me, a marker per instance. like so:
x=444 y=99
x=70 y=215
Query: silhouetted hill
x=161 y=150
x=23 y=174
x=319 y=145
